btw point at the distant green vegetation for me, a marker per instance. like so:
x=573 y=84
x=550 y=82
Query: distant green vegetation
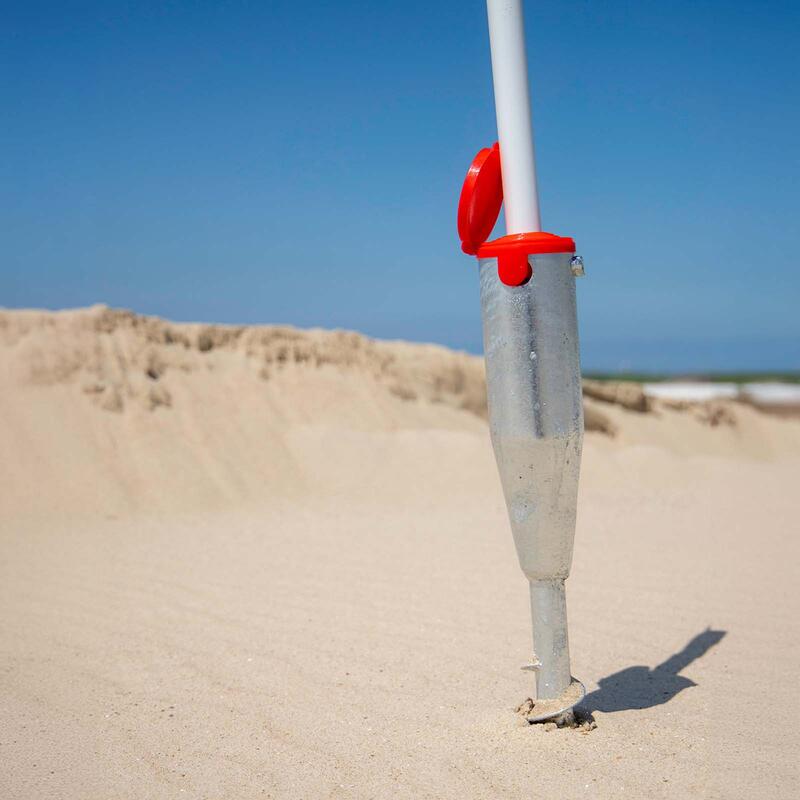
x=710 y=377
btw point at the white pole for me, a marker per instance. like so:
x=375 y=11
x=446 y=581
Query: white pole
x=513 y=106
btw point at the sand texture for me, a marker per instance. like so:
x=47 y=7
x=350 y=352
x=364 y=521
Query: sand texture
x=257 y=562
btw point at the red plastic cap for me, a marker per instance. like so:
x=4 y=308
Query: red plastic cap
x=481 y=199
x=512 y=253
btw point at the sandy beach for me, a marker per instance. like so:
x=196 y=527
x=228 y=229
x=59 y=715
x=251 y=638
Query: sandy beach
x=249 y=562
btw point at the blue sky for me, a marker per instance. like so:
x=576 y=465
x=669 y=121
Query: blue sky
x=301 y=163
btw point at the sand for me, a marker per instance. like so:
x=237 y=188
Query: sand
x=261 y=562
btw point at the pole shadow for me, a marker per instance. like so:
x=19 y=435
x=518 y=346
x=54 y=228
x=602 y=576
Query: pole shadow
x=641 y=687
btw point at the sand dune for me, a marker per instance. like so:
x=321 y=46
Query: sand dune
x=263 y=562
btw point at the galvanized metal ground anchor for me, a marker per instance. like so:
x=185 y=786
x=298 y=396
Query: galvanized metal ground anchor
x=530 y=338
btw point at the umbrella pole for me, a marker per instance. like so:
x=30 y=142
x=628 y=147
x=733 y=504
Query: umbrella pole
x=513 y=107
x=533 y=375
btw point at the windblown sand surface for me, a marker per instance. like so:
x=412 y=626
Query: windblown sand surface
x=260 y=562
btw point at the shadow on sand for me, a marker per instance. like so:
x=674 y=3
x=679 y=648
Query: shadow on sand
x=642 y=687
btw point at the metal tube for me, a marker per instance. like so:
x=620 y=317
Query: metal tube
x=530 y=342
x=550 y=639
x=513 y=107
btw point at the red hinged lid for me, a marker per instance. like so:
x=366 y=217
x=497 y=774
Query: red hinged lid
x=478 y=208
x=481 y=199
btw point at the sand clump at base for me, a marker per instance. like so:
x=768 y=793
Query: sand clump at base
x=559 y=711
x=260 y=562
